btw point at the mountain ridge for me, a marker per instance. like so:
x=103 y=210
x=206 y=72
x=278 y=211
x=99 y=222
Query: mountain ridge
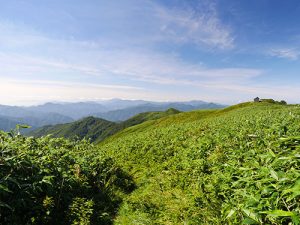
x=116 y=110
x=97 y=129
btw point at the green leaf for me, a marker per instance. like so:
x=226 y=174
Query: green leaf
x=272 y=153
x=279 y=213
x=232 y=211
x=296 y=219
x=23 y=126
x=13 y=181
x=274 y=174
x=249 y=221
x=253 y=216
x=3 y=205
x=4 y=188
x=295 y=190
x=47 y=180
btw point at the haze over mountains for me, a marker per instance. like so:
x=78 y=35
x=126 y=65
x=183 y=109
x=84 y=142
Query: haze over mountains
x=112 y=110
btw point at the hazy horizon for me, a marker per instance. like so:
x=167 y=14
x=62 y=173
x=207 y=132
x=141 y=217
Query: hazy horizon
x=105 y=100
x=212 y=50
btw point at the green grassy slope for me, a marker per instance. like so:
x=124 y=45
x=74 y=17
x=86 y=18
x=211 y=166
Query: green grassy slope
x=97 y=129
x=231 y=166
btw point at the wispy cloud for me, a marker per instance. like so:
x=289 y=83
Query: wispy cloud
x=287 y=53
x=199 y=25
x=144 y=66
x=55 y=64
x=133 y=59
x=46 y=55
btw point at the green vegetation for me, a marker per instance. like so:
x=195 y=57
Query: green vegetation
x=269 y=100
x=239 y=165
x=96 y=129
x=55 y=181
x=88 y=128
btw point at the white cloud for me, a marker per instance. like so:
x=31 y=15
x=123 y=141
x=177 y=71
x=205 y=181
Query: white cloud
x=287 y=53
x=135 y=66
x=41 y=62
x=33 y=61
x=199 y=25
x=96 y=58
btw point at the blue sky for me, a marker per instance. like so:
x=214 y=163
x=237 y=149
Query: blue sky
x=225 y=51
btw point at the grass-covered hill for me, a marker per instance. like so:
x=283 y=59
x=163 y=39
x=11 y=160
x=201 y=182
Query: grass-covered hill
x=239 y=165
x=97 y=129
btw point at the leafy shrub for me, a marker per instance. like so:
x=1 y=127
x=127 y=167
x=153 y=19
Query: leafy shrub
x=283 y=102
x=40 y=179
x=81 y=211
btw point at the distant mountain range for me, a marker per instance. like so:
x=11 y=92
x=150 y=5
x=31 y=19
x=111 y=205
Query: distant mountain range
x=10 y=116
x=124 y=114
x=112 y=110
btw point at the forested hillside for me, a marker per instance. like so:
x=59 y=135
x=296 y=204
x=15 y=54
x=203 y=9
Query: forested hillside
x=96 y=129
x=239 y=165
x=89 y=128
